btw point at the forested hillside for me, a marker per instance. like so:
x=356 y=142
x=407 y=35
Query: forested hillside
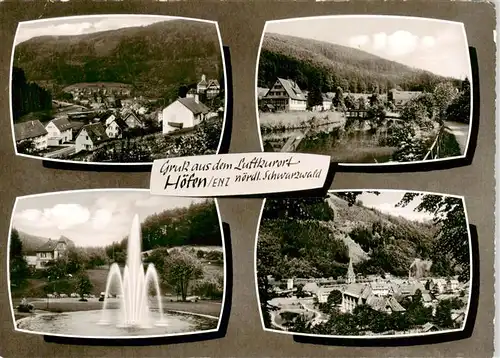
x=156 y=59
x=315 y=237
x=310 y=63
x=195 y=225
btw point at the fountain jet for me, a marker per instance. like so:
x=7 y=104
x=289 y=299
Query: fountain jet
x=134 y=286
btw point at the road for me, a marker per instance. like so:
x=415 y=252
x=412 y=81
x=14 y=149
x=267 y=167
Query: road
x=67 y=150
x=461 y=133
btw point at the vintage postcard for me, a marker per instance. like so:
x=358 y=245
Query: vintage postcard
x=365 y=90
x=117 y=89
x=116 y=264
x=364 y=264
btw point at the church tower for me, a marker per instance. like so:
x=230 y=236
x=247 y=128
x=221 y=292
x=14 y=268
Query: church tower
x=351 y=277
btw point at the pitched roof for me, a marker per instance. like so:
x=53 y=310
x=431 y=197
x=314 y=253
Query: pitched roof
x=120 y=123
x=261 y=91
x=405 y=94
x=382 y=303
x=96 y=132
x=193 y=106
x=357 y=289
x=30 y=129
x=311 y=287
x=131 y=114
x=51 y=245
x=62 y=123
x=292 y=89
x=213 y=83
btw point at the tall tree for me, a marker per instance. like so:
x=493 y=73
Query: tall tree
x=18 y=267
x=180 y=271
x=453 y=239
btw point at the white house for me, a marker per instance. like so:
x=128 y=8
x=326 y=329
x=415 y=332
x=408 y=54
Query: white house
x=132 y=120
x=327 y=103
x=115 y=128
x=110 y=119
x=90 y=137
x=285 y=95
x=59 y=131
x=52 y=250
x=289 y=284
x=33 y=131
x=183 y=113
x=452 y=285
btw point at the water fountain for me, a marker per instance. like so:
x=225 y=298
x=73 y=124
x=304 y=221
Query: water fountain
x=127 y=316
x=134 y=286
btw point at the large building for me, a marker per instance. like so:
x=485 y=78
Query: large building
x=285 y=95
x=51 y=251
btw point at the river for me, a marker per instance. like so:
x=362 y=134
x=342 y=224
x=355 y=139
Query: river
x=344 y=146
x=351 y=145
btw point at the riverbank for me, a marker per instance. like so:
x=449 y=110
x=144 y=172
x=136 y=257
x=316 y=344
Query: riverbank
x=283 y=121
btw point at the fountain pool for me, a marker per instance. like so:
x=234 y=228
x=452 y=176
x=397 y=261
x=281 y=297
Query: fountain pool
x=85 y=324
x=137 y=312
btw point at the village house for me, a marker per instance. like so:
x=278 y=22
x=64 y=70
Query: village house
x=327 y=103
x=438 y=285
x=185 y=112
x=452 y=285
x=400 y=98
x=133 y=121
x=108 y=118
x=208 y=88
x=52 y=250
x=116 y=127
x=285 y=95
x=90 y=137
x=33 y=131
x=59 y=131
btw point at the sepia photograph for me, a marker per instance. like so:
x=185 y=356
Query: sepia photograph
x=116 y=263
x=364 y=264
x=365 y=90
x=117 y=89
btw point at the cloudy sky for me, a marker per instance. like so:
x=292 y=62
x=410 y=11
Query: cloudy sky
x=386 y=201
x=89 y=218
x=79 y=25
x=436 y=46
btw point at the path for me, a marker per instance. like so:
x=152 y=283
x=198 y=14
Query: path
x=461 y=133
x=68 y=149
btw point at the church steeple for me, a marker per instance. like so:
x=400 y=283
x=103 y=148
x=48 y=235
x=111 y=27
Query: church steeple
x=351 y=277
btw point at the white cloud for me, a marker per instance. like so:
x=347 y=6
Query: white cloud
x=359 y=41
x=44 y=28
x=101 y=219
x=61 y=216
x=428 y=41
x=401 y=43
x=379 y=41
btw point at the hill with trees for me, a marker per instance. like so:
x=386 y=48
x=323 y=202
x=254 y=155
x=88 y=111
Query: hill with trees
x=325 y=66
x=30 y=243
x=196 y=225
x=156 y=59
x=317 y=237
